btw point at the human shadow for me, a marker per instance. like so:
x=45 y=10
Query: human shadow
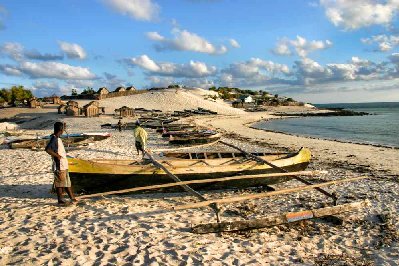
x=41 y=191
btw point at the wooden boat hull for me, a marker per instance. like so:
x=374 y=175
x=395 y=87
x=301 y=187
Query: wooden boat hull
x=106 y=175
x=194 y=139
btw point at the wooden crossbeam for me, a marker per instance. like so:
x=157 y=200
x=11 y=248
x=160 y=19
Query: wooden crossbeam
x=202 y=181
x=214 y=206
x=278 y=219
x=266 y=194
x=261 y=160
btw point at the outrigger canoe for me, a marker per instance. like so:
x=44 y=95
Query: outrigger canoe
x=100 y=175
x=71 y=140
x=201 y=137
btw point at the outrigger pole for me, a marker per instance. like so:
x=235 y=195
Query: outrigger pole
x=191 y=191
x=261 y=160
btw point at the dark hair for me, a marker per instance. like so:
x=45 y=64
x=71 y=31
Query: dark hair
x=58 y=126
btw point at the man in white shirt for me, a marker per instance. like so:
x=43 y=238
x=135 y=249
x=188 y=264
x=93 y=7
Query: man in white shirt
x=60 y=164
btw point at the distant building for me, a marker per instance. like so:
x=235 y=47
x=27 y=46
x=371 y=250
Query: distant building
x=102 y=91
x=62 y=108
x=130 y=88
x=246 y=98
x=120 y=89
x=34 y=103
x=92 y=109
x=125 y=111
x=52 y=99
x=72 y=108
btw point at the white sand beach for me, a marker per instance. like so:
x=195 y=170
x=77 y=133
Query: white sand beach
x=142 y=229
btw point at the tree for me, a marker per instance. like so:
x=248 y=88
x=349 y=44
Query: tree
x=74 y=92
x=5 y=95
x=19 y=94
x=88 y=91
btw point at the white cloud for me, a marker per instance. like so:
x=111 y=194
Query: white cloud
x=55 y=70
x=255 y=67
x=72 y=50
x=300 y=45
x=13 y=50
x=385 y=42
x=155 y=36
x=10 y=70
x=144 y=10
x=145 y=62
x=254 y=72
x=191 y=70
x=185 y=41
x=17 y=52
x=354 y=14
x=234 y=43
x=48 y=85
x=191 y=83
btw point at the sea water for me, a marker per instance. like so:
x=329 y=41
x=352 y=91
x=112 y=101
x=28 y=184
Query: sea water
x=379 y=128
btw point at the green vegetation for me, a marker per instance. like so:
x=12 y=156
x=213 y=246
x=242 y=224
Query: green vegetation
x=259 y=97
x=173 y=86
x=88 y=91
x=15 y=95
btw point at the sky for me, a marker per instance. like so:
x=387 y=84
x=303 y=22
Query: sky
x=325 y=51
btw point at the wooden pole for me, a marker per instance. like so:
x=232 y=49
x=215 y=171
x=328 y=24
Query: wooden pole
x=266 y=194
x=261 y=160
x=202 y=181
x=277 y=219
x=185 y=187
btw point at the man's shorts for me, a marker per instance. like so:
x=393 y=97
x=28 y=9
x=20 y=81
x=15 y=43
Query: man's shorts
x=139 y=146
x=61 y=178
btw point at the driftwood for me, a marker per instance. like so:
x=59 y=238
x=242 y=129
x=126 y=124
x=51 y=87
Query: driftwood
x=202 y=181
x=261 y=160
x=277 y=219
x=264 y=195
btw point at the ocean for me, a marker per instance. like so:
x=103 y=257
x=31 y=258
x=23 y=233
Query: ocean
x=380 y=128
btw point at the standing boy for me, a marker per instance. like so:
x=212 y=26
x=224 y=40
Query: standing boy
x=60 y=164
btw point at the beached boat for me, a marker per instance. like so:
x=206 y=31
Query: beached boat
x=174 y=127
x=99 y=175
x=69 y=140
x=196 y=138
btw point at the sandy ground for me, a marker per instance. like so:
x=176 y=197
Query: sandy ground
x=143 y=230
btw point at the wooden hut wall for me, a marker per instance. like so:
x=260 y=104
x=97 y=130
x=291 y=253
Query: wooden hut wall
x=91 y=111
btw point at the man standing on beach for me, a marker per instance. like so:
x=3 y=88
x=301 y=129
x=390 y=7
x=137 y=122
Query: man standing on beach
x=140 y=136
x=120 y=125
x=60 y=164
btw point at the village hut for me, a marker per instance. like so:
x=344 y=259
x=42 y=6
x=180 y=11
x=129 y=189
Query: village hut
x=72 y=108
x=125 y=111
x=120 y=89
x=92 y=109
x=33 y=103
x=103 y=91
x=130 y=88
x=56 y=100
x=62 y=108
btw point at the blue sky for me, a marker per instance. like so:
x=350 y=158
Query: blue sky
x=314 y=51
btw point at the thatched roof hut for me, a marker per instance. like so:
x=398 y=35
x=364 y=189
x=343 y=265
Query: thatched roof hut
x=120 y=89
x=124 y=111
x=102 y=90
x=91 y=109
